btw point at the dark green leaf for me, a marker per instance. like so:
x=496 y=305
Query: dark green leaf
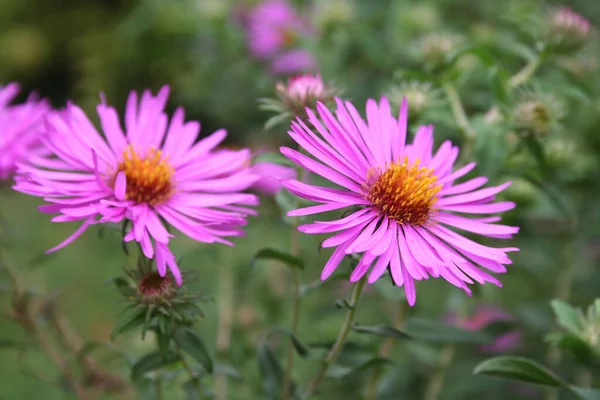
x=150 y=362
x=192 y=344
x=272 y=254
x=537 y=151
x=381 y=330
x=309 y=287
x=339 y=371
x=436 y=332
x=270 y=371
x=163 y=342
x=300 y=347
x=499 y=79
x=124 y=288
x=568 y=317
x=274 y=158
x=343 y=304
x=132 y=322
x=519 y=369
x=579 y=348
x=10 y=344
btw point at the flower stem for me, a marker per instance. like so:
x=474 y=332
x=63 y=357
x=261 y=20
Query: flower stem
x=459 y=112
x=385 y=349
x=341 y=339
x=158 y=388
x=191 y=373
x=297 y=302
x=436 y=383
x=525 y=73
x=226 y=288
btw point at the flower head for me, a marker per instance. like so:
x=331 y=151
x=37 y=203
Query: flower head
x=151 y=172
x=420 y=97
x=567 y=30
x=272 y=26
x=434 y=48
x=407 y=197
x=537 y=114
x=482 y=318
x=19 y=129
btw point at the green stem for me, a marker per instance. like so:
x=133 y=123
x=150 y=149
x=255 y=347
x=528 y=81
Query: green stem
x=386 y=349
x=525 y=73
x=436 y=383
x=341 y=339
x=297 y=302
x=459 y=112
x=191 y=373
x=158 y=387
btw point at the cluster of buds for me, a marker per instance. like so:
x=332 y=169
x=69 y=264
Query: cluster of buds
x=420 y=96
x=591 y=326
x=295 y=96
x=537 y=114
x=566 y=30
x=435 y=48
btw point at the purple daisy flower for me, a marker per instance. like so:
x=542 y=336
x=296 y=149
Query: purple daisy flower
x=149 y=173
x=405 y=199
x=19 y=128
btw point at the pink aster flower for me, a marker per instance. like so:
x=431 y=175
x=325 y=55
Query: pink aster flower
x=273 y=25
x=19 y=128
x=150 y=173
x=271 y=175
x=567 y=29
x=483 y=317
x=404 y=199
x=294 y=61
x=300 y=88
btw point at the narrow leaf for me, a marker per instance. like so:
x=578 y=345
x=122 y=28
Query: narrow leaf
x=270 y=370
x=567 y=316
x=150 y=362
x=381 y=330
x=135 y=320
x=339 y=371
x=272 y=254
x=519 y=369
x=300 y=347
x=585 y=393
x=193 y=345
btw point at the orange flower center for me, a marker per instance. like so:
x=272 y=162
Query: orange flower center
x=404 y=192
x=148 y=177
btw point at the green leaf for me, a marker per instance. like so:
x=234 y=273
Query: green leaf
x=272 y=254
x=567 y=316
x=499 y=79
x=585 y=393
x=190 y=389
x=535 y=148
x=519 y=369
x=227 y=370
x=436 y=332
x=300 y=347
x=286 y=201
x=578 y=347
x=339 y=371
x=124 y=288
x=270 y=371
x=381 y=330
x=277 y=119
x=10 y=344
x=132 y=322
x=274 y=158
x=309 y=287
x=193 y=345
x=150 y=362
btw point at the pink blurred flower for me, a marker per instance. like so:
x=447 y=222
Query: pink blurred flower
x=19 y=129
x=403 y=199
x=271 y=175
x=300 y=88
x=149 y=173
x=568 y=30
x=483 y=317
x=274 y=29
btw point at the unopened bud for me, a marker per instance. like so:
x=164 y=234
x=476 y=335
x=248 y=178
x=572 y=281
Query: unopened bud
x=155 y=289
x=537 y=115
x=420 y=97
x=591 y=326
x=435 y=48
x=567 y=30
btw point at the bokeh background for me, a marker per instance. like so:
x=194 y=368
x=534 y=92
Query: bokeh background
x=71 y=50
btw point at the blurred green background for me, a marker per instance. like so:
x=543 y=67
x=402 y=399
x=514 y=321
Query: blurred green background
x=75 y=49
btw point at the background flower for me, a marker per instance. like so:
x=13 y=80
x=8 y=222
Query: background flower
x=20 y=128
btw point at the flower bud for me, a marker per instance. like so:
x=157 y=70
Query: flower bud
x=156 y=289
x=420 y=97
x=537 y=114
x=591 y=326
x=521 y=191
x=296 y=95
x=567 y=30
x=435 y=48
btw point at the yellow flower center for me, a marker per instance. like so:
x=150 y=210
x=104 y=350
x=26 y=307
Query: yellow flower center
x=404 y=192
x=148 y=177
